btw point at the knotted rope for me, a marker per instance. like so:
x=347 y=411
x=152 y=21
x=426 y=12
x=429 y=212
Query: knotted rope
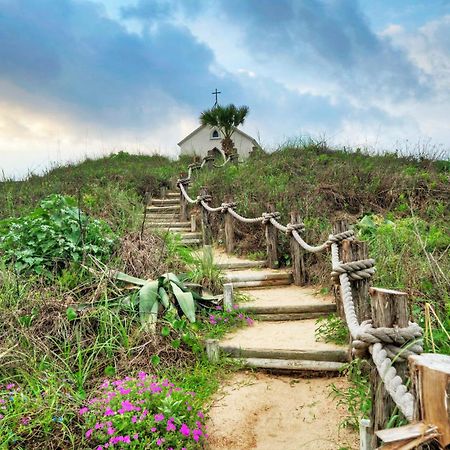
x=266 y=216
x=226 y=206
x=298 y=227
x=356 y=270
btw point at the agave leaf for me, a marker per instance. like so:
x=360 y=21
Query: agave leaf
x=148 y=305
x=164 y=297
x=174 y=279
x=128 y=278
x=185 y=300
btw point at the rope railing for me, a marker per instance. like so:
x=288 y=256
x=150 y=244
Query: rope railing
x=384 y=344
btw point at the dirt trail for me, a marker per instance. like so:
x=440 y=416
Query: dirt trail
x=270 y=412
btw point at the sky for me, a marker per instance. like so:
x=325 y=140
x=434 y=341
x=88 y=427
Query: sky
x=83 y=78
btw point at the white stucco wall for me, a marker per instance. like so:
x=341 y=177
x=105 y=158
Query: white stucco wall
x=201 y=142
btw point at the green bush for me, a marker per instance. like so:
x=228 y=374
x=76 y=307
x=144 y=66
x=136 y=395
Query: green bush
x=53 y=236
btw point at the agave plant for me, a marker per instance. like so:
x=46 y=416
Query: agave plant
x=167 y=292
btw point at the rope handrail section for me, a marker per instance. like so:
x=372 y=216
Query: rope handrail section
x=384 y=344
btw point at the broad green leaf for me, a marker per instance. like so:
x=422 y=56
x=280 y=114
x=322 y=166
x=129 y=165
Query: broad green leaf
x=148 y=304
x=164 y=297
x=165 y=331
x=185 y=300
x=129 y=279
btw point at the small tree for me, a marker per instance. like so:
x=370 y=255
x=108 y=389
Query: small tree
x=226 y=119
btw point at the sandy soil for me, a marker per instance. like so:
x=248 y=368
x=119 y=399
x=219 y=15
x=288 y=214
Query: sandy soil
x=270 y=412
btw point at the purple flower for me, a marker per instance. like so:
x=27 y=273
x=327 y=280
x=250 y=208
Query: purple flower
x=89 y=433
x=110 y=431
x=184 y=430
x=171 y=426
x=219 y=308
x=109 y=412
x=83 y=411
x=160 y=441
x=249 y=321
x=159 y=417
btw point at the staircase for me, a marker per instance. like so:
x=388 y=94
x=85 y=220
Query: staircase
x=163 y=215
x=283 y=335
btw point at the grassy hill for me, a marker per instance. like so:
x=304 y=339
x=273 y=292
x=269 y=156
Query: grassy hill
x=67 y=325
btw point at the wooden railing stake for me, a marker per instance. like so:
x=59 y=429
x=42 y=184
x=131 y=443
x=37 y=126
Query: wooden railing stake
x=389 y=309
x=229 y=228
x=299 y=273
x=271 y=241
x=206 y=221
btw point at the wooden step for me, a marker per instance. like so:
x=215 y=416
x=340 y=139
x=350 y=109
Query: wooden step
x=335 y=355
x=190 y=235
x=164 y=201
x=163 y=223
x=257 y=275
x=291 y=365
x=162 y=217
x=236 y=265
x=162 y=209
x=289 y=312
x=173 y=194
x=191 y=241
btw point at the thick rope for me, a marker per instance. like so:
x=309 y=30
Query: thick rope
x=185 y=194
x=244 y=219
x=298 y=227
x=356 y=270
x=392 y=382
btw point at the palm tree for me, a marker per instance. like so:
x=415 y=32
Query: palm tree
x=226 y=119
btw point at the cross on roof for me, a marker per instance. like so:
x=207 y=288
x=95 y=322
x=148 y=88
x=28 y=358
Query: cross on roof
x=216 y=92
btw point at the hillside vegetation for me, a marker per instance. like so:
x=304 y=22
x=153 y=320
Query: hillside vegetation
x=68 y=322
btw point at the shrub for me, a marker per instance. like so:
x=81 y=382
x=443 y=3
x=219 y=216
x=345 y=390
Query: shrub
x=52 y=236
x=143 y=412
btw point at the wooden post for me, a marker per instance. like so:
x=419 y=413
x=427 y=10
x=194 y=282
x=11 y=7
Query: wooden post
x=339 y=227
x=193 y=222
x=227 y=296
x=212 y=349
x=184 y=216
x=298 y=256
x=364 y=434
x=163 y=191
x=229 y=228
x=430 y=375
x=234 y=157
x=389 y=309
x=271 y=241
x=206 y=221
x=360 y=288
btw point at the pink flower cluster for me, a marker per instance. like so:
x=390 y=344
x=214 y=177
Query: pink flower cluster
x=230 y=315
x=139 y=409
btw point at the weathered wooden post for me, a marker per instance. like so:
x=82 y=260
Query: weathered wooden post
x=234 y=157
x=206 y=218
x=184 y=216
x=389 y=309
x=193 y=222
x=228 y=296
x=271 y=240
x=299 y=273
x=339 y=227
x=163 y=191
x=430 y=375
x=212 y=349
x=229 y=228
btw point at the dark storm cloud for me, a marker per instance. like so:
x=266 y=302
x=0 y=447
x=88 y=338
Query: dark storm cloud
x=71 y=52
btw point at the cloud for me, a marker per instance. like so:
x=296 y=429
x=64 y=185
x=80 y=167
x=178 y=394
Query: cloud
x=92 y=66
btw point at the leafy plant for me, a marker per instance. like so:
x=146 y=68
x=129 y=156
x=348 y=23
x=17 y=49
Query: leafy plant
x=52 y=236
x=168 y=292
x=205 y=272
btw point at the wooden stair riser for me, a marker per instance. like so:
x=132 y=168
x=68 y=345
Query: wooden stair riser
x=290 y=365
x=279 y=308
x=261 y=284
x=156 y=209
x=341 y=356
x=242 y=265
x=289 y=316
x=165 y=202
x=258 y=276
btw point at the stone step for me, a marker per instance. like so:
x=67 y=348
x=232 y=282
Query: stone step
x=336 y=355
x=236 y=265
x=290 y=365
x=162 y=209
